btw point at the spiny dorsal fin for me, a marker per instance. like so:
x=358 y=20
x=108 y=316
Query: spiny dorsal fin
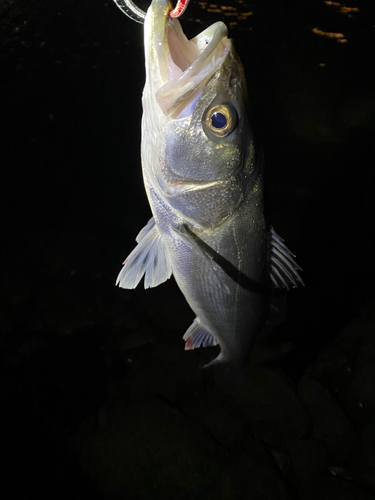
x=148 y=258
x=196 y=336
x=284 y=269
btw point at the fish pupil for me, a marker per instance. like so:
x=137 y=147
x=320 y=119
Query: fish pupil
x=218 y=120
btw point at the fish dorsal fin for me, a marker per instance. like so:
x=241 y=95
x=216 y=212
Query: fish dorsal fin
x=149 y=258
x=197 y=336
x=284 y=269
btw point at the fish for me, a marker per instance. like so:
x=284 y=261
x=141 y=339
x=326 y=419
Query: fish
x=204 y=180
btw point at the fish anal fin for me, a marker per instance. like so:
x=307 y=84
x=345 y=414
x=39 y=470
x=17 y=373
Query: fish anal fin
x=149 y=259
x=197 y=336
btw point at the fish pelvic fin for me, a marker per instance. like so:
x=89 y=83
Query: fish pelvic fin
x=149 y=259
x=197 y=336
x=284 y=268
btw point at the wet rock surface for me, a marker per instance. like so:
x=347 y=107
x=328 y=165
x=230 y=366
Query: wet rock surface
x=99 y=399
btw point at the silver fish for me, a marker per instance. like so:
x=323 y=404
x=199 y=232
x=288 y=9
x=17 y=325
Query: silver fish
x=204 y=183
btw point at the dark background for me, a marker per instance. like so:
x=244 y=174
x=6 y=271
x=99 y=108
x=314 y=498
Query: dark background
x=99 y=398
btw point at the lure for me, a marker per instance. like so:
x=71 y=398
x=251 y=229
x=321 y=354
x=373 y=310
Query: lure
x=138 y=15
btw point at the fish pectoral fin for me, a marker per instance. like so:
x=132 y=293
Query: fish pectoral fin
x=198 y=245
x=197 y=336
x=149 y=258
x=284 y=269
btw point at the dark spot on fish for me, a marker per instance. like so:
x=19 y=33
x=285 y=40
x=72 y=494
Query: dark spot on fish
x=229 y=269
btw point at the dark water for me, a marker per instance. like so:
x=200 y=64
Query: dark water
x=99 y=398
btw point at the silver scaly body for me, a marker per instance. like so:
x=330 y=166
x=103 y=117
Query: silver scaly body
x=205 y=189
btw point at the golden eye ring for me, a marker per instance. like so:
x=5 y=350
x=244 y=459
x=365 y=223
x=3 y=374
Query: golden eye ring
x=221 y=120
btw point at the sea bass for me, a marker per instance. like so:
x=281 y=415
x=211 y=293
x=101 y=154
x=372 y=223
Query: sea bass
x=204 y=182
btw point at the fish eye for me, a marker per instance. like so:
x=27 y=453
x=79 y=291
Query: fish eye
x=218 y=120
x=221 y=120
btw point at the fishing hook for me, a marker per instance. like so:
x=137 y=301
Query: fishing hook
x=129 y=8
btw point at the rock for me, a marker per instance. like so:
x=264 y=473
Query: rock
x=330 y=424
x=308 y=458
x=274 y=408
x=230 y=403
x=332 y=488
x=149 y=450
x=335 y=363
x=362 y=463
x=361 y=389
x=346 y=366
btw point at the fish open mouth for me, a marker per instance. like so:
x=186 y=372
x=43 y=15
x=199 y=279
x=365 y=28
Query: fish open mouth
x=184 y=65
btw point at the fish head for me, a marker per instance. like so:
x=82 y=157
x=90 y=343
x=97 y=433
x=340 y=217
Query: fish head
x=197 y=146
